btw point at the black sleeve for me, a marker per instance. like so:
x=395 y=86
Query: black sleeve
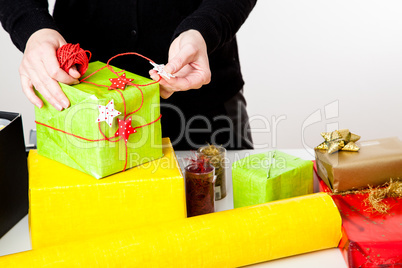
x=21 y=18
x=217 y=20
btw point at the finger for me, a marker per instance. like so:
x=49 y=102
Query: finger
x=28 y=90
x=46 y=94
x=55 y=91
x=191 y=81
x=41 y=87
x=154 y=75
x=74 y=72
x=185 y=56
x=162 y=82
x=165 y=93
x=53 y=88
x=53 y=69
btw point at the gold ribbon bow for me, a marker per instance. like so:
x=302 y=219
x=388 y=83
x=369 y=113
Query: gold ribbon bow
x=338 y=140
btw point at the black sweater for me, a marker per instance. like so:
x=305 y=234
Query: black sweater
x=107 y=27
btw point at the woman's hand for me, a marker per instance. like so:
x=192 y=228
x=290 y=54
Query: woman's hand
x=188 y=62
x=40 y=69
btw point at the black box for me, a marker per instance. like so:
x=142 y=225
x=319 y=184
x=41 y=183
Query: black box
x=13 y=173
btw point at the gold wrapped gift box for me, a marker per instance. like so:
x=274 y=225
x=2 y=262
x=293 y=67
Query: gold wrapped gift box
x=68 y=205
x=374 y=164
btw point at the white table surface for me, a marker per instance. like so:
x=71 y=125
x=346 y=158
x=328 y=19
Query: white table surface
x=17 y=239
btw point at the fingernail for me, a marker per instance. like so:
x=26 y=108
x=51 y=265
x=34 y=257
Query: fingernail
x=65 y=104
x=76 y=82
x=169 y=68
x=58 y=107
x=39 y=105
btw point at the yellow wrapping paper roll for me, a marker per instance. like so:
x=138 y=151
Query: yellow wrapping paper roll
x=68 y=205
x=230 y=238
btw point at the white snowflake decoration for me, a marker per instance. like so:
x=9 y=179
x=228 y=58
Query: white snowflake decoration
x=160 y=70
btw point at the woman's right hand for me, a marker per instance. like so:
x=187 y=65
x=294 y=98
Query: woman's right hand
x=40 y=69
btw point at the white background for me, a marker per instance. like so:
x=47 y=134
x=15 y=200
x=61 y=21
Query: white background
x=299 y=57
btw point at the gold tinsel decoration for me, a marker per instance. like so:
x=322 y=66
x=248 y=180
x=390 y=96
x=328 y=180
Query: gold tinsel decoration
x=374 y=201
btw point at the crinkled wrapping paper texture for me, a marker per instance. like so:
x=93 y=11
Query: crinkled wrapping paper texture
x=370 y=239
x=68 y=205
x=376 y=162
x=101 y=158
x=229 y=238
x=270 y=176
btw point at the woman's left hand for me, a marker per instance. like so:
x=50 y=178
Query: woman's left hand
x=188 y=62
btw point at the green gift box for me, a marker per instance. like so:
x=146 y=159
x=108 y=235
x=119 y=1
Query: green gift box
x=103 y=131
x=270 y=176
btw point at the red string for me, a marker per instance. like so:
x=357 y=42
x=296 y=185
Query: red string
x=128 y=53
x=69 y=55
x=106 y=138
x=117 y=73
x=79 y=137
x=125 y=142
x=142 y=102
x=82 y=80
x=92 y=83
x=124 y=103
x=156 y=120
x=125 y=164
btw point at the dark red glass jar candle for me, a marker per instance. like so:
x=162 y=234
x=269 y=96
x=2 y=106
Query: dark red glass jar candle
x=200 y=186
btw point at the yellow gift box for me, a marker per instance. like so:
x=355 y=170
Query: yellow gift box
x=68 y=205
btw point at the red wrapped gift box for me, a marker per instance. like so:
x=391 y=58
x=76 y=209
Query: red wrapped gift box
x=369 y=239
